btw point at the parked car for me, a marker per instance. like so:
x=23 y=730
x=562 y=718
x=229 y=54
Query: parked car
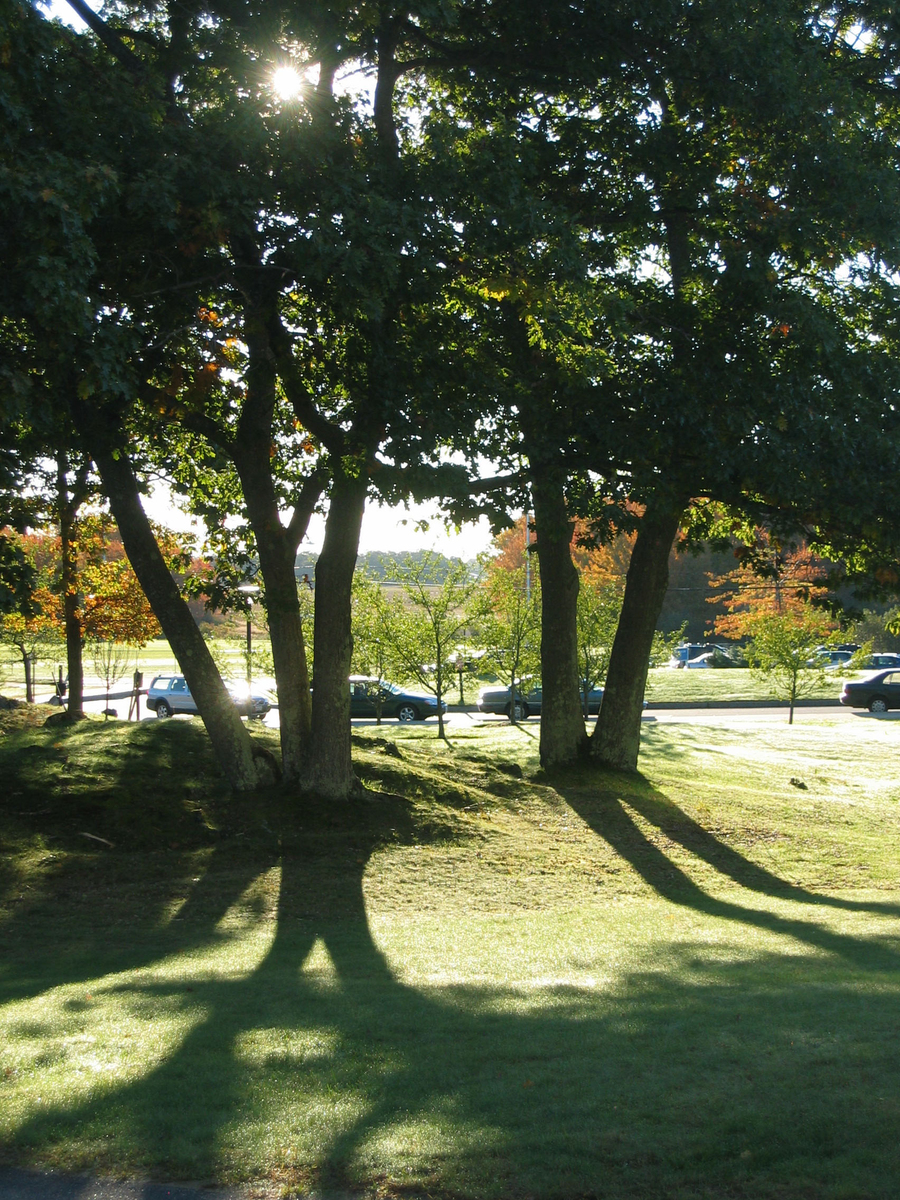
x=687 y=654
x=830 y=660
x=169 y=694
x=878 y=693
x=366 y=691
x=713 y=658
x=881 y=661
x=528 y=704
x=498 y=699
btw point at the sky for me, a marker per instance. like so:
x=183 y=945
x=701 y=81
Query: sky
x=383 y=528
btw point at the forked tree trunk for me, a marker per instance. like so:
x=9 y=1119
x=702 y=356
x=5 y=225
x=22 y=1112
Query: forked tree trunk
x=329 y=769
x=563 y=736
x=616 y=739
x=244 y=767
x=276 y=562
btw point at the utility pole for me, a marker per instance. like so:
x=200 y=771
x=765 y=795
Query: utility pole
x=527 y=561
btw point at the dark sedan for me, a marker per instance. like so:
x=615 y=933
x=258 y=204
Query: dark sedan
x=367 y=694
x=878 y=693
x=528 y=704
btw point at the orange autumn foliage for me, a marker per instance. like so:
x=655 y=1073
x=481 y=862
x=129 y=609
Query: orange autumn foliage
x=599 y=564
x=783 y=581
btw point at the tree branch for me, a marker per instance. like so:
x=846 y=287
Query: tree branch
x=112 y=39
x=206 y=427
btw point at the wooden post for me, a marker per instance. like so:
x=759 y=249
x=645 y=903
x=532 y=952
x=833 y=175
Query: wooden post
x=134 y=708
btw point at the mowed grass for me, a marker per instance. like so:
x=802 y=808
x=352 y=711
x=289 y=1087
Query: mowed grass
x=665 y=685
x=474 y=981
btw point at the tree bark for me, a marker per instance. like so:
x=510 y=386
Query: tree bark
x=329 y=769
x=29 y=673
x=563 y=736
x=616 y=738
x=244 y=766
x=251 y=453
x=545 y=421
x=276 y=562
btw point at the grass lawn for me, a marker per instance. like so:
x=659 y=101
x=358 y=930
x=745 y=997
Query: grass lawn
x=474 y=982
x=739 y=683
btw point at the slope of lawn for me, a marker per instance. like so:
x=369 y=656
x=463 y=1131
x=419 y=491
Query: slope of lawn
x=473 y=981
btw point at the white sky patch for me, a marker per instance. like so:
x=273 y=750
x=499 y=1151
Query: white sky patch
x=59 y=10
x=384 y=528
x=398 y=529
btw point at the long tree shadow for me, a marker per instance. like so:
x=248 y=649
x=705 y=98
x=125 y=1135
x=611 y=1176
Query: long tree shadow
x=157 y=880
x=33 y=960
x=320 y=899
x=608 y=816
x=181 y=1112
x=676 y=825
x=322 y=1043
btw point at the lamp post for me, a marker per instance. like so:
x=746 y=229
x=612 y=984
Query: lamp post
x=249 y=589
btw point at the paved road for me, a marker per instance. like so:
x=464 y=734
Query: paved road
x=724 y=714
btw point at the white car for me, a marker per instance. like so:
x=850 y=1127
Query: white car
x=169 y=694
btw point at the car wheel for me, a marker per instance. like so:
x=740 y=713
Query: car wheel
x=406 y=712
x=163 y=710
x=878 y=704
x=519 y=711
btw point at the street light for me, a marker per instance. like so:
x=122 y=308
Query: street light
x=249 y=589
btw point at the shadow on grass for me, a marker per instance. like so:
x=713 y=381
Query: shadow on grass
x=607 y=814
x=691 y=1071
x=709 y=1078
x=146 y=824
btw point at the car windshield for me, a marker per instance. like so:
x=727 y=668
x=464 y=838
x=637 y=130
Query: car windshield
x=391 y=687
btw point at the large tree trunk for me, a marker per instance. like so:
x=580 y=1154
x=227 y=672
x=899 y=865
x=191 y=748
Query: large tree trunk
x=276 y=561
x=329 y=770
x=69 y=587
x=244 y=767
x=563 y=736
x=252 y=458
x=616 y=738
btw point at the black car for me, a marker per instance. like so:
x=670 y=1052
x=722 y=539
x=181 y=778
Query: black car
x=367 y=692
x=528 y=704
x=878 y=693
x=499 y=700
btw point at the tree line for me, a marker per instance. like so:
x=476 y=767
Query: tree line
x=641 y=260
